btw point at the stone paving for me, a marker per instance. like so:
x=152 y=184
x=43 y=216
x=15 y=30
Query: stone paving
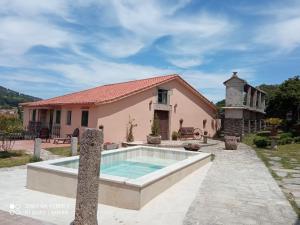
x=239 y=190
x=10 y=219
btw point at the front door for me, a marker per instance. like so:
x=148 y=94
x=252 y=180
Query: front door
x=163 y=117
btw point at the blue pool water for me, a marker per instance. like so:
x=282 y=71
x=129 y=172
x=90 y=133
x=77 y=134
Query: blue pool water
x=128 y=169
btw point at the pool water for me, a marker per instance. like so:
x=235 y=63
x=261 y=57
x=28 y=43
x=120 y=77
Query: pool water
x=130 y=168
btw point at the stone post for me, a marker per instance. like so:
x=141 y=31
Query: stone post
x=74 y=143
x=37 y=147
x=88 y=178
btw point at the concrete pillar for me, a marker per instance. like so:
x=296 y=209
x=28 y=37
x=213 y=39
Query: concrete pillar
x=255 y=126
x=37 y=147
x=88 y=178
x=74 y=143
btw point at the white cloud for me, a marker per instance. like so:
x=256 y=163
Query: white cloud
x=283 y=34
x=185 y=62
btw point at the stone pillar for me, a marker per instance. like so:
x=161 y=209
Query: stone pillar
x=249 y=97
x=249 y=126
x=259 y=100
x=255 y=126
x=88 y=178
x=255 y=99
x=37 y=147
x=74 y=143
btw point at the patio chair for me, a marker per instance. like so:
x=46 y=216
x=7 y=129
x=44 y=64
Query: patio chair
x=68 y=137
x=44 y=134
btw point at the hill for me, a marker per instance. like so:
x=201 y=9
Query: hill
x=10 y=98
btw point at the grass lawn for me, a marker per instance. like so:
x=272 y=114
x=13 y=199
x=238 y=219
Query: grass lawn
x=290 y=158
x=14 y=158
x=63 y=151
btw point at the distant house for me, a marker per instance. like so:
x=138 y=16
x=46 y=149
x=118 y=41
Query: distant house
x=110 y=106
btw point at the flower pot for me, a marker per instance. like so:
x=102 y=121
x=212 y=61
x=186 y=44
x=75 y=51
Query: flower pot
x=191 y=147
x=110 y=146
x=231 y=142
x=154 y=140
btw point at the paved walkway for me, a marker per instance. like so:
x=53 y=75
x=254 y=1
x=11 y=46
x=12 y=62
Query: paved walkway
x=9 y=219
x=239 y=190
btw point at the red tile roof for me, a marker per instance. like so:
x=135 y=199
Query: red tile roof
x=109 y=93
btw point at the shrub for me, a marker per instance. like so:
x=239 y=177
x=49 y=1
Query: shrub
x=265 y=133
x=131 y=125
x=175 y=135
x=297 y=139
x=284 y=141
x=10 y=124
x=260 y=142
x=155 y=129
x=286 y=135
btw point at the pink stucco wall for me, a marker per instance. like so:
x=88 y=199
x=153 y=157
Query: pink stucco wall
x=115 y=116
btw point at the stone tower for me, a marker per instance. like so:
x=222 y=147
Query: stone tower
x=244 y=107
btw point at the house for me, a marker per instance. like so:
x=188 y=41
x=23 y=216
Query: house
x=244 y=107
x=111 y=106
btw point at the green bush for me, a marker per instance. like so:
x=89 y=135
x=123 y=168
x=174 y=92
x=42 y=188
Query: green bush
x=260 y=142
x=297 y=139
x=10 y=124
x=265 y=133
x=175 y=135
x=284 y=141
x=286 y=135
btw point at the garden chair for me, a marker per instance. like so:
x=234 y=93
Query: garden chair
x=68 y=137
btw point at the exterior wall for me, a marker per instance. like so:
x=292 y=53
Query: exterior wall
x=115 y=116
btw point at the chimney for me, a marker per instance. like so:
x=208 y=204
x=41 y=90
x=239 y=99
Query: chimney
x=234 y=74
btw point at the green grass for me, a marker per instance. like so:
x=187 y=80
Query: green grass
x=14 y=158
x=285 y=152
x=62 y=151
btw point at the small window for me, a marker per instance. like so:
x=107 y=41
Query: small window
x=84 y=118
x=69 y=117
x=57 y=116
x=33 y=115
x=162 y=96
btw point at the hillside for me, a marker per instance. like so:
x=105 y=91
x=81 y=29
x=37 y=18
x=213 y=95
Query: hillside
x=10 y=98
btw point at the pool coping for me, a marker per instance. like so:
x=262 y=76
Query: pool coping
x=140 y=182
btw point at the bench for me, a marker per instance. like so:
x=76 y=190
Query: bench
x=190 y=132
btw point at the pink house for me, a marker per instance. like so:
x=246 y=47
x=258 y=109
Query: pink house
x=111 y=106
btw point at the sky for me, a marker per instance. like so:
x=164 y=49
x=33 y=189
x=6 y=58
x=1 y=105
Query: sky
x=54 y=47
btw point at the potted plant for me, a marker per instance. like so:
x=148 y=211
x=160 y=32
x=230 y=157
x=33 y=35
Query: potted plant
x=154 y=137
x=274 y=122
x=110 y=146
x=231 y=142
x=175 y=135
x=131 y=125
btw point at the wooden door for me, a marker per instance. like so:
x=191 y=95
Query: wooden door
x=163 y=117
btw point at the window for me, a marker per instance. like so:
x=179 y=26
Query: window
x=84 y=118
x=162 y=96
x=33 y=115
x=57 y=116
x=69 y=117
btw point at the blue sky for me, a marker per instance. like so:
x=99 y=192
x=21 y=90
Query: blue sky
x=49 y=48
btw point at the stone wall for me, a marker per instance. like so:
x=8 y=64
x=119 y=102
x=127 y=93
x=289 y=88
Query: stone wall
x=234 y=127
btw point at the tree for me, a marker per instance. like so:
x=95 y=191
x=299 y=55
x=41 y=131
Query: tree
x=285 y=99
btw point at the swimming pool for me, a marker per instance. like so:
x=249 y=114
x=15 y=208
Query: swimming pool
x=129 y=177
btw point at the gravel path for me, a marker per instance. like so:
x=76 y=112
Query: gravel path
x=239 y=190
